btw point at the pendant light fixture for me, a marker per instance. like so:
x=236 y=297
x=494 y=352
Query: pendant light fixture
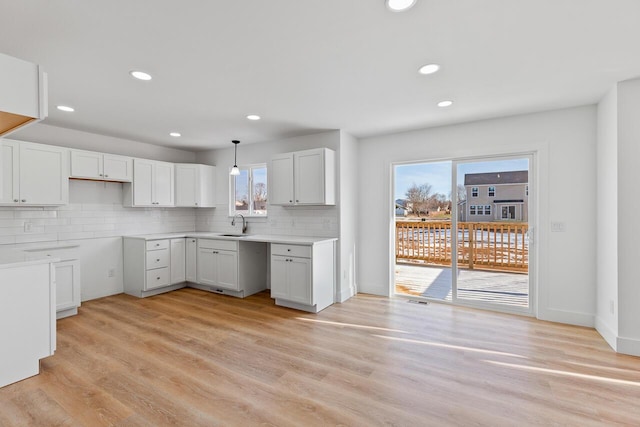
x=234 y=170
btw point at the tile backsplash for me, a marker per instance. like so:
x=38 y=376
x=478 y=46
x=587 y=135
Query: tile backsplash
x=95 y=210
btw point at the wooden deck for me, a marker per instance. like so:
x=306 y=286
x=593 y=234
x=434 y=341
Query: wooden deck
x=488 y=286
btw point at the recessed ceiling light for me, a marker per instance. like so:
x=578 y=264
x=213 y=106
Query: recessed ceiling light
x=253 y=117
x=65 y=108
x=175 y=134
x=429 y=69
x=445 y=103
x=400 y=5
x=140 y=75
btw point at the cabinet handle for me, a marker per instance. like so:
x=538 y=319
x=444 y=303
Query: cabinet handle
x=157 y=278
x=158 y=260
x=100 y=174
x=288 y=250
x=106 y=176
x=290 y=201
x=196 y=204
x=16 y=200
x=24 y=200
x=297 y=201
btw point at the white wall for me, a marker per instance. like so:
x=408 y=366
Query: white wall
x=607 y=218
x=63 y=137
x=348 y=178
x=628 y=208
x=564 y=142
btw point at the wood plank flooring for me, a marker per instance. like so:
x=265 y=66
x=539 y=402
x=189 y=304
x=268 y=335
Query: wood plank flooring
x=192 y=358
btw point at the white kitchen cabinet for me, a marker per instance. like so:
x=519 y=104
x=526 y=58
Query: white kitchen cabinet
x=178 y=261
x=147 y=266
x=67 y=287
x=23 y=86
x=191 y=254
x=303 y=178
x=195 y=185
x=101 y=166
x=153 y=184
x=27 y=319
x=303 y=276
x=34 y=174
x=231 y=267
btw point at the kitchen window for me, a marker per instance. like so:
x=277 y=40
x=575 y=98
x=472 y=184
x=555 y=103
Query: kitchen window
x=249 y=191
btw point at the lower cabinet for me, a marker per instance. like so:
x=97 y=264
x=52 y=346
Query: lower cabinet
x=67 y=273
x=303 y=276
x=231 y=267
x=153 y=266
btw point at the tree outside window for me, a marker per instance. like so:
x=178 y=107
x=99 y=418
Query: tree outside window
x=249 y=191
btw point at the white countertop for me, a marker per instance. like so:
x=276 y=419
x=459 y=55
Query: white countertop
x=265 y=238
x=17 y=258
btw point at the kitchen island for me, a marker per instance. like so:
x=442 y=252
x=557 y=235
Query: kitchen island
x=27 y=314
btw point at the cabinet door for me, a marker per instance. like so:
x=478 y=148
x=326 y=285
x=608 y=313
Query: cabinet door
x=299 y=279
x=67 y=284
x=163 y=184
x=10 y=179
x=118 y=168
x=191 y=264
x=142 y=182
x=281 y=186
x=86 y=164
x=309 y=177
x=227 y=263
x=207 y=267
x=187 y=187
x=177 y=267
x=44 y=175
x=279 y=286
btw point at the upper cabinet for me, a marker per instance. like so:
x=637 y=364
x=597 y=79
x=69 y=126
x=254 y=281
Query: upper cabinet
x=153 y=184
x=195 y=185
x=100 y=166
x=34 y=174
x=303 y=178
x=23 y=93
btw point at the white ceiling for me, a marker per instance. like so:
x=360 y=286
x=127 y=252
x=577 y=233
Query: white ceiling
x=307 y=66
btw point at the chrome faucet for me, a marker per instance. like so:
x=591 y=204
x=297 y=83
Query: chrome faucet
x=244 y=223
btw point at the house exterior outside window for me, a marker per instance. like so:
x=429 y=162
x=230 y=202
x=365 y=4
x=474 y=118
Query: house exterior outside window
x=493 y=191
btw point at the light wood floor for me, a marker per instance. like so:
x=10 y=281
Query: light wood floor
x=198 y=359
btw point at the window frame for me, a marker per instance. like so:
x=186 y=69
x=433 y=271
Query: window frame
x=250 y=212
x=472 y=210
x=491 y=191
x=475 y=191
x=487 y=210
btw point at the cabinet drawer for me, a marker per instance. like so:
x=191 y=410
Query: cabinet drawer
x=157 y=278
x=157 y=244
x=291 y=250
x=157 y=259
x=225 y=245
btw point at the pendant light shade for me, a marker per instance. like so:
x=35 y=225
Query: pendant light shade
x=234 y=170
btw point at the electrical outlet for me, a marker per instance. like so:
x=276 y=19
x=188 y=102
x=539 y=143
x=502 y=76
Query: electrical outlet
x=558 y=226
x=111 y=272
x=612 y=307
x=28 y=227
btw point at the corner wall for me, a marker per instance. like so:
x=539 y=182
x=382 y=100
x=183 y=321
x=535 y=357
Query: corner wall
x=607 y=218
x=564 y=142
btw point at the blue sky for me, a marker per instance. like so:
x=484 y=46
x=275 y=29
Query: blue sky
x=438 y=174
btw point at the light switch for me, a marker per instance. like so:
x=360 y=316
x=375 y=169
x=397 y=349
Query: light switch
x=558 y=226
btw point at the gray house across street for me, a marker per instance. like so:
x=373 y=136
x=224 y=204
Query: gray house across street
x=495 y=196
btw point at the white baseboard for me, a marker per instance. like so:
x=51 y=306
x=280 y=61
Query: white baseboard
x=628 y=346
x=345 y=294
x=568 y=317
x=607 y=333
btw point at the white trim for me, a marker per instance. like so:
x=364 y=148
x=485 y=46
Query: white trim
x=607 y=333
x=629 y=346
